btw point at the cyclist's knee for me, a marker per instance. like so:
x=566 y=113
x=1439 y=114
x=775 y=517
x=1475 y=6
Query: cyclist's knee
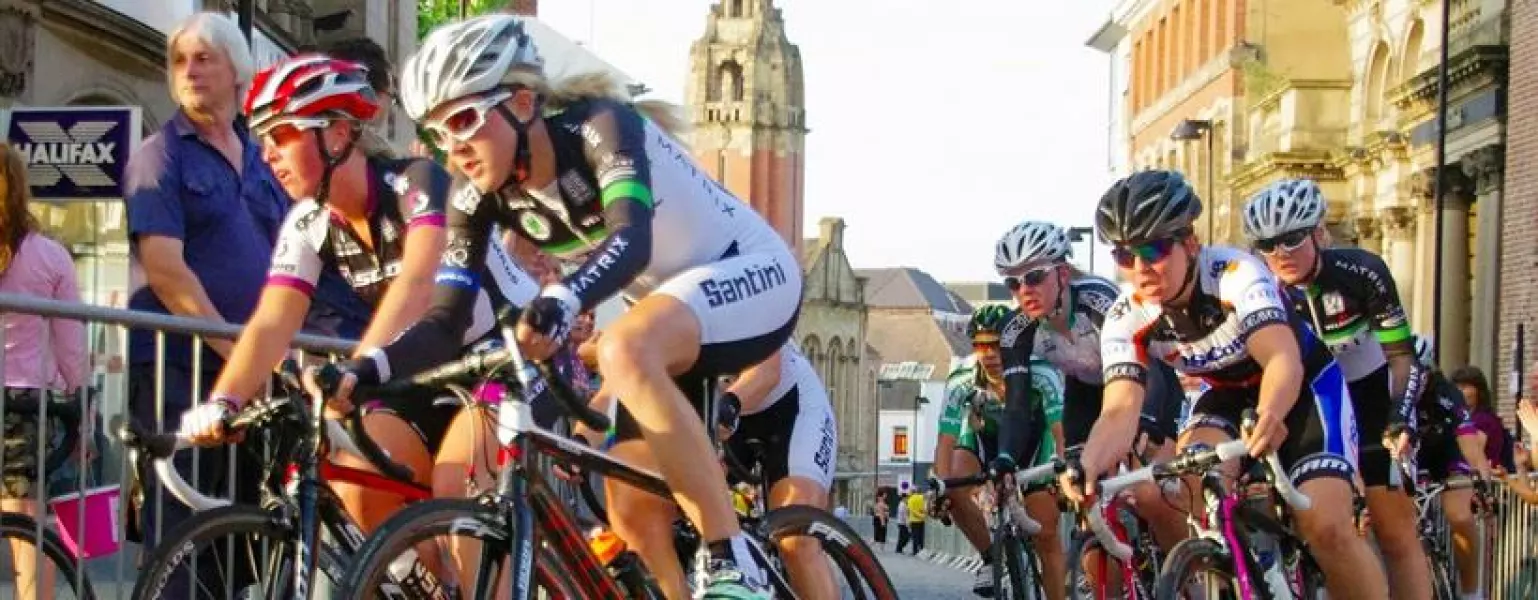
x=1330 y=521
x=663 y=338
x=800 y=547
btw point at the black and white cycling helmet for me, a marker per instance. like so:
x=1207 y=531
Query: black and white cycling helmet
x=1146 y=206
x=1283 y=207
x=1425 y=347
x=465 y=58
x=1031 y=242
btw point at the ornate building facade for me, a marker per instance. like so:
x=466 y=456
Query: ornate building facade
x=745 y=102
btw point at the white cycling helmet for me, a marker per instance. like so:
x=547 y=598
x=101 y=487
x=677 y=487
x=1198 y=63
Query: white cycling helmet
x=1031 y=242
x=1425 y=345
x=464 y=58
x=1283 y=207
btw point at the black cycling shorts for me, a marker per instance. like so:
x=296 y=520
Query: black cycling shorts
x=1321 y=429
x=1162 y=400
x=1371 y=400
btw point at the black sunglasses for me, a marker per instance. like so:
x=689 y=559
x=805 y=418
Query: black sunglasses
x=1286 y=242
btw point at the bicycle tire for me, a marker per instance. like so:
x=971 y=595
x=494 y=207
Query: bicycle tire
x=1443 y=587
x=1189 y=557
x=1083 y=543
x=16 y=526
x=842 y=545
x=206 y=525
x=1008 y=566
x=430 y=518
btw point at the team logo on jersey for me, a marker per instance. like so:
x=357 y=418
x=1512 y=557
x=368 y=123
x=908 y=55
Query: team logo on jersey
x=1012 y=330
x=457 y=253
x=467 y=199
x=576 y=188
x=422 y=203
x=1097 y=301
x=400 y=183
x=1334 y=304
x=534 y=224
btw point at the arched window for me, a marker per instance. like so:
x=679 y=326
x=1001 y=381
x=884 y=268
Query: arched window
x=813 y=350
x=830 y=376
x=1411 y=59
x=729 y=78
x=736 y=10
x=1373 y=103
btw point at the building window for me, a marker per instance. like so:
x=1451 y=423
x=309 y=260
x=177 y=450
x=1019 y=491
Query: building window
x=736 y=9
x=900 y=441
x=730 y=80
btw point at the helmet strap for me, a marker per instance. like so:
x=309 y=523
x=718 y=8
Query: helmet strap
x=332 y=162
x=522 y=155
x=1191 y=265
x=1062 y=296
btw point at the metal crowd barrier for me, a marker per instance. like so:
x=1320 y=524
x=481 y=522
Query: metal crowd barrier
x=112 y=576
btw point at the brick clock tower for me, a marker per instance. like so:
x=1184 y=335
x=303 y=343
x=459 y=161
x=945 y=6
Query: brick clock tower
x=748 y=111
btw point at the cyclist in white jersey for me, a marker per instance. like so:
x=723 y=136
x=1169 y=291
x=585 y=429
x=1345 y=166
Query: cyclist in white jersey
x=575 y=168
x=1064 y=311
x=1217 y=313
x=378 y=223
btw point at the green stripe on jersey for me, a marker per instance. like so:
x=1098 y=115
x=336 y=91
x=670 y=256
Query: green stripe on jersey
x=628 y=188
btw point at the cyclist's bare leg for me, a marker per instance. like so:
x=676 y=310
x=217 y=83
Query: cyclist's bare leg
x=638 y=355
x=471 y=436
x=1458 y=506
x=30 y=583
x=1042 y=507
x=1393 y=524
x=646 y=521
x=393 y=435
x=805 y=563
x=1161 y=511
x=964 y=509
x=1351 y=569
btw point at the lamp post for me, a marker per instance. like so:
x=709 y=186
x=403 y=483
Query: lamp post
x=918 y=401
x=1192 y=130
x=1085 y=234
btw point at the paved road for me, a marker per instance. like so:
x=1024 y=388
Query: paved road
x=919 y=578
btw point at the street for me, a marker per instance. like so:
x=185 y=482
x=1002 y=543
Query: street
x=919 y=578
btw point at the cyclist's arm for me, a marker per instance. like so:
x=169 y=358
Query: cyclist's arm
x=755 y=383
x=1125 y=367
x=407 y=299
x=1015 y=420
x=296 y=266
x=950 y=424
x=1392 y=328
x=616 y=149
x=1048 y=383
x=438 y=337
x=1275 y=348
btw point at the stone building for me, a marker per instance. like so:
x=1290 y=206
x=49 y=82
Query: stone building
x=1517 y=244
x=745 y=102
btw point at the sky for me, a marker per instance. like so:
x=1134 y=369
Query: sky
x=934 y=126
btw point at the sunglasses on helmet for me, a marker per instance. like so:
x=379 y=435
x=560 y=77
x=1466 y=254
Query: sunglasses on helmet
x=1286 y=242
x=1151 y=252
x=462 y=122
x=1031 y=278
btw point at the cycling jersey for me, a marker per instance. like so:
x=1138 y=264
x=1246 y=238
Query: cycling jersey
x=632 y=213
x=1234 y=296
x=1353 y=305
x=795 y=433
x=968 y=400
x=403 y=194
x=1445 y=418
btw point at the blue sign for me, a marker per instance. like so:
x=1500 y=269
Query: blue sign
x=74 y=153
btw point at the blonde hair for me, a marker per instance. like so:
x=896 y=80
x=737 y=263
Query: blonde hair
x=599 y=85
x=218 y=31
x=15 y=220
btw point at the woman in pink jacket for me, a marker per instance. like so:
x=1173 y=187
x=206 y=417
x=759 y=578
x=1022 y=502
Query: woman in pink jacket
x=42 y=356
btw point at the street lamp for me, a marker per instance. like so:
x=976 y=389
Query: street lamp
x=1191 y=130
x=1085 y=234
x=918 y=401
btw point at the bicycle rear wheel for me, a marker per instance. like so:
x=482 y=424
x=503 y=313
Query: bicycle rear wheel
x=421 y=524
x=863 y=575
x=21 y=530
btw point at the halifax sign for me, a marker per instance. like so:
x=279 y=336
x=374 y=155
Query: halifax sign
x=76 y=152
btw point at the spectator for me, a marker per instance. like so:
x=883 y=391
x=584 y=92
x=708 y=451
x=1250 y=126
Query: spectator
x=916 y=515
x=1476 y=391
x=203 y=214
x=880 y=514
x=904 y=534
x=381 y=77
x=42 y=356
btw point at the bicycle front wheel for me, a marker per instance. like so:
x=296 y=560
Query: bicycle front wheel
x=20 y=544
x=861 y=570
x=234 y=551
x=455 y=535
x=1196 y=565
x=1014 y=574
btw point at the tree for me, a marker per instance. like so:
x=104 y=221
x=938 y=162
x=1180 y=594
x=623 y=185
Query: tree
x=432 y=13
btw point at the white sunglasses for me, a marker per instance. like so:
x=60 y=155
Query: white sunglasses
x=462 y=122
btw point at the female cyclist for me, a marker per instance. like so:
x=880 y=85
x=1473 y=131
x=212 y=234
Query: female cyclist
x=377 y=222
x=969 y=435
x=575 y=168
x=1064 y=310
x=1218 y=313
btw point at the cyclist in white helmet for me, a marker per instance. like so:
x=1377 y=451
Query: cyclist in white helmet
x=595 y=180
x=1062 y=311
x=1349 y=298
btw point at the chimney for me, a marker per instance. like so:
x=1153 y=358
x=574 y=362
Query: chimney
x=831 y=231
x=527 y=8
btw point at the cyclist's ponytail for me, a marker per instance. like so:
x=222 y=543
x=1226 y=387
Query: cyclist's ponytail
x=588 y=86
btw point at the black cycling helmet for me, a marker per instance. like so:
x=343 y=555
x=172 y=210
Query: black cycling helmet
x=987 y=321
x=1146 y=206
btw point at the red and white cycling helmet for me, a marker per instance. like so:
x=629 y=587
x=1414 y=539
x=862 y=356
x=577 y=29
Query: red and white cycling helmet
x=308 y=92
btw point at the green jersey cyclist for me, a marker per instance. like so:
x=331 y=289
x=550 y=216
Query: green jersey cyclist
x=969 y=436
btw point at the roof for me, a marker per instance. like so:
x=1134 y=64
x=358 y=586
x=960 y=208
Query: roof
x=977 y=293
x=907 y=287
x=915 y=336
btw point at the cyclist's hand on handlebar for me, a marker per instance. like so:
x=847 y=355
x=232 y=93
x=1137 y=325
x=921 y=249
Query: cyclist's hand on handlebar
x=203 y=425
x=1078 y=482
x=545 y=323
x=1397 y=440
x=1267 y=435
x=587 y=351
x=339 y=400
